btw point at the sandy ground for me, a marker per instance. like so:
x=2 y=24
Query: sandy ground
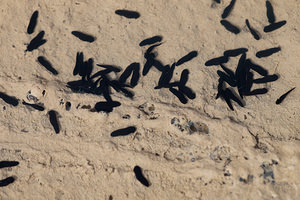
x=250 y=153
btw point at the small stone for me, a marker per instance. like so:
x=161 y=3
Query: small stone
x=126 y=116
x=197 y=127
x=68 y=105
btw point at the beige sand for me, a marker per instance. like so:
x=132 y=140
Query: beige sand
x=85 y=162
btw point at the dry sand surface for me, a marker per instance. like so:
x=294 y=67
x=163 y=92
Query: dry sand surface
x=252 y=152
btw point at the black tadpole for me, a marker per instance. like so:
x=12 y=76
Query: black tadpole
x=140 y=177
x=228 y=9
x=32 y=22
x=84 y=36
x=282 y=97
x=128 y=14
x=54 y=121
x=123 y=131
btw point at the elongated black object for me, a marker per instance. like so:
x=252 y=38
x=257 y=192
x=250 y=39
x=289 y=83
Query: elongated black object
x=134 y=69
x=228 y=71
x=151 y=40
x=187 y=58
x=36 y=42
x=32 y=22
x=7 y=181
x=84 y=36
x=187 y=92
x=35 y=106
x=253 y=32
x=54 y=121
x=228 y=9
x=282 y=97
x=270 y=12
x=217 y=61
x=112 y=68
x=179 y=95
x=5 y=163
x=235 y=52
x=267 y=52
x=274 y=26
x=257 y=91
x=128 y=14
x=9 y=99
x=79 y=63
x=227 y=79
x=259 y=69
x=106 y=106
x=166 y=76
x=123 y=131
x=44 y=62
x=266 y=79
x=139 y=176
x=230 y=27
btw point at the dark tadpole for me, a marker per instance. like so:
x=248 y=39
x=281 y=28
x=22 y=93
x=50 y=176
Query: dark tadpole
x=257 y=92
x=230 y=27
x=184 y=77
x=226 y=78
x=267 y=52
x=151 y=40
x=54 y=121
x=187 y=91
x=217 y=1
x=259 y=69
x=150 y=49
x=101 y=73
x=241 y=73
x=32 y=22
x=221 y=88
x=227 y=99
x=230 y=94
x=274 y=26
x=149 y=63
x=121 y=87
x=36 y=42
x=140 y=177
x=252 y=30
x=187 y=58
x=270 y=12
x=128 y=14
x=135 y=75
x=228 y=9
x=228 y=71
x=133 y=68
x=45 y=63
x=9 y=99
x=217 y=61
x=106 y=106
x=282 y=97
x=79 y=63
x=8 y=164
x=235 y=52
x=166 y=76
x=7 y=181
x=84 y=36
x=112 y=68
x=179 y=95
x=35 y=106
x=123 y=131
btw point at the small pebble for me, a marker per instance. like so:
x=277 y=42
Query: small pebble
x=68 y=105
